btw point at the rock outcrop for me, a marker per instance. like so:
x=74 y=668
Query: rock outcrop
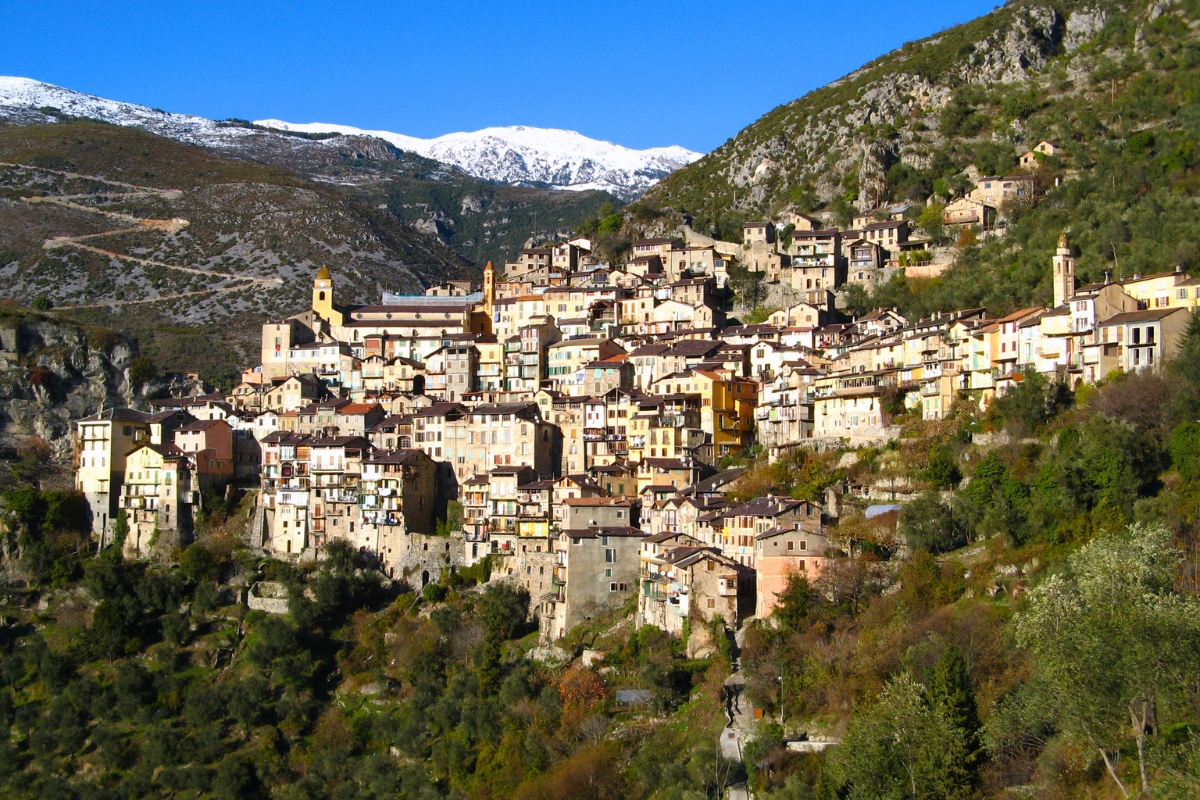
x=843 y=138
x=52 y=373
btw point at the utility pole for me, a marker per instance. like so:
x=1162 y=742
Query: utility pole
x=782 y=681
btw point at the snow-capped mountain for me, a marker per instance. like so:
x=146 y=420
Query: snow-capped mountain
x=538 y=156
x=516 y=155
x=23 y=99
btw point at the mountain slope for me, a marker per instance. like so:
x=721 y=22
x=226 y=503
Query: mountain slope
x=479 y=218
x=532 y=156
x=1115 y=84
x=186 y=250
x=517 y=155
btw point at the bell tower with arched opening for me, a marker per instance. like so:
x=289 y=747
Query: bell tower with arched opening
x=1064 y=272
x=322 y=302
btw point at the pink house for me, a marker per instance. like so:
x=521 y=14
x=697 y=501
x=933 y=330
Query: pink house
x=783 y=551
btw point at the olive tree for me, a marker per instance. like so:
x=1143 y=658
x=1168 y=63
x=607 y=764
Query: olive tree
x=1110 y=639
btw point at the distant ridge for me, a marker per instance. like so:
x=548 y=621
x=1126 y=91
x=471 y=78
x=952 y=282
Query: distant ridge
x=519 y=156
x=532 y=156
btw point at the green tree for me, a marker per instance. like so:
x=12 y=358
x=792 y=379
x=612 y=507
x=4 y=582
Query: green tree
x=1030 y=404
x=502 y=608
x=931 y=220
x=747 y=287
x=42 y=303
x=903 y=748
x=928 y=524
x=120 y=531
x=142 y=371
x=794 y=602
x=785 y=236
x=942 y=470
x=1110 y=640
x=1184 y=447
x=951 y=692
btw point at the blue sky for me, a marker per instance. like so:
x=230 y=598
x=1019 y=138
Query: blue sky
x=641 y=74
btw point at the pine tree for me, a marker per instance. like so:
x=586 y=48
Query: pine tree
x=951 y=693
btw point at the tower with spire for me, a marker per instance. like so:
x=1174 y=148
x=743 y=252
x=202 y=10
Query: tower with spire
x=322 y=298
x=489 y=289
x=1064 y=272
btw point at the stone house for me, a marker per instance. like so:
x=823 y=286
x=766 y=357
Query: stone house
x=696 y=583
x=101 y=444
x=761 y=232
x=743 y=523
x=1142 y=340
x=968 y=212
x=502 y=434
x=603 y=512
x=335 y=469
x=596 y=571
x=398 y=498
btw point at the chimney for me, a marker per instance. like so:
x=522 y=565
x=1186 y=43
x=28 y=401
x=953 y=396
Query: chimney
x=1137 y=276
x=1179 y=267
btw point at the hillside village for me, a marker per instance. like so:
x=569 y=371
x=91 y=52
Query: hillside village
x=582 y=422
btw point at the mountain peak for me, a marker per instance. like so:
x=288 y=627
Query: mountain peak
x=516 y=155
x=525 y=155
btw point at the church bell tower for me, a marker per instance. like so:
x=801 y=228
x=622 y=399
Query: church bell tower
x=322 y=301
x=489 y=289
x=1064 y=272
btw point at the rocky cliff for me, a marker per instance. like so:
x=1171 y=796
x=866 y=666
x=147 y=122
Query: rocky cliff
x=926 y=107
x=52 y=372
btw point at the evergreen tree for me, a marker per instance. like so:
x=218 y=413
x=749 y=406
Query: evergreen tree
x=951 y=693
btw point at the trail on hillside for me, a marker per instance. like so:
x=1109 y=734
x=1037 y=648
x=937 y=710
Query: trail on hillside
x=133 y=224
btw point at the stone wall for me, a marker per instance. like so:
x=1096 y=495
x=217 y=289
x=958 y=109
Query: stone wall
x=422 y=557
x=267 y=596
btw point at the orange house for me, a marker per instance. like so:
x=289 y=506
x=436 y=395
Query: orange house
x=783 y=551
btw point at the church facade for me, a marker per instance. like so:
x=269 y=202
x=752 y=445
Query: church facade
x=408 y=326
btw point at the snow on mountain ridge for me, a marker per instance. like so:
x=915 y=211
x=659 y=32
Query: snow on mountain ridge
x=515 y=155
x=525 y=155
x=30 y=95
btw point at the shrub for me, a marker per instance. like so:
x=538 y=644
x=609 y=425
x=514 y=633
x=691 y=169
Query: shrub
x=142 y=371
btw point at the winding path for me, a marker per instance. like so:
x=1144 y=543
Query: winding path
x=136 y=224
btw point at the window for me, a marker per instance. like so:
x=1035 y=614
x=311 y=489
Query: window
x=610 y=555
x=791 y=545
x=618 y=587
x=608 y=572
x=712 y=603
